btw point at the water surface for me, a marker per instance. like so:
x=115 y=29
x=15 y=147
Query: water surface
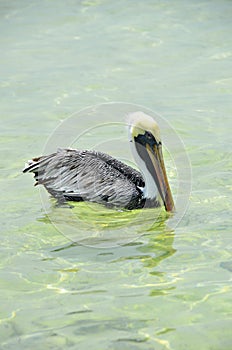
x=169 y=288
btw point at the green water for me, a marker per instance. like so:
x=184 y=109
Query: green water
x=133 y=280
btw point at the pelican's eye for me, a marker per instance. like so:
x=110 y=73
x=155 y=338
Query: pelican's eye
x=151 y=138
x=149 y=135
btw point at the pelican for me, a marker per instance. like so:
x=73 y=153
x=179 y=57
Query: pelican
x=88 y=175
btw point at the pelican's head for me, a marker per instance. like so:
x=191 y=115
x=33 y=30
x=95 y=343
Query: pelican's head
x=144 y=135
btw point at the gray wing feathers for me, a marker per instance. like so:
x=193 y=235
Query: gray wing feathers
x=87 y=175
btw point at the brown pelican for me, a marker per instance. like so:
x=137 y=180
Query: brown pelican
x=75 y=175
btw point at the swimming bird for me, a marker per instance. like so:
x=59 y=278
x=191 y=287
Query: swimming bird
x=88 y=175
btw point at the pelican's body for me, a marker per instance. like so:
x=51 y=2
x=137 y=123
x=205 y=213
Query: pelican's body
x=76 y=175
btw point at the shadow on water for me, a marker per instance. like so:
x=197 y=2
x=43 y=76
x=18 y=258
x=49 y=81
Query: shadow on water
x=126 y=269
x=94 y=225
x=144 y=234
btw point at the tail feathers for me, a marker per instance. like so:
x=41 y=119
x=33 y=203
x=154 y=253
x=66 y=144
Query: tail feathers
x=39 y=166
x=31 y=165
x=45 y=170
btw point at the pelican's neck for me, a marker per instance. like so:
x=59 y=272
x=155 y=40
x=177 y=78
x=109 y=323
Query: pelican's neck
x=150 y=190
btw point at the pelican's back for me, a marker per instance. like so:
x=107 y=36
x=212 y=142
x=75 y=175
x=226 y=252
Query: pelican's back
x=94 y=176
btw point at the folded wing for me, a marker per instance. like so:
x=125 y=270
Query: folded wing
x=88 y=175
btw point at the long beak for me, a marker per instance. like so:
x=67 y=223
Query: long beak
x=160 y=176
